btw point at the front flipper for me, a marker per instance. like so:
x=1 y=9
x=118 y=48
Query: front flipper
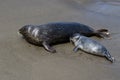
x=48 y=47
x=75 y=49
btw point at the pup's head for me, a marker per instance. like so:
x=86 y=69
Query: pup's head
x=75 y=37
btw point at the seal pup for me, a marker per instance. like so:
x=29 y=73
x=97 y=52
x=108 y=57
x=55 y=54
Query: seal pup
x=90 y=46
x=58 y=32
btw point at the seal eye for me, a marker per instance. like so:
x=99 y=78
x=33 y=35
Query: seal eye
x=77 y=38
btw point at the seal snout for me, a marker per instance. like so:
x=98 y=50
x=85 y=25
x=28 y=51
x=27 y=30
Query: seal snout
x=20 y=30
x=24 y=29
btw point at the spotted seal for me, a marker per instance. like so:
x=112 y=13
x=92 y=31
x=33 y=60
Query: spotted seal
x=90 y=46
x=52 y=33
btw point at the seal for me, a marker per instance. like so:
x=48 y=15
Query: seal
x=90 y=46
x=58 y=32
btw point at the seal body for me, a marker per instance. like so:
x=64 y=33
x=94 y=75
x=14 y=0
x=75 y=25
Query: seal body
x=54 y=33
x=90 y=46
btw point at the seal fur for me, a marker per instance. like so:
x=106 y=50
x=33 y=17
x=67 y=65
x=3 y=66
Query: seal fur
x=90 y=46
x=58 y=32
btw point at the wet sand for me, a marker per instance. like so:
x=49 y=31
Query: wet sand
x=20 y=60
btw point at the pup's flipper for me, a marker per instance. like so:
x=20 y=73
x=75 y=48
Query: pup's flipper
x=75 y=49
x=48 y=47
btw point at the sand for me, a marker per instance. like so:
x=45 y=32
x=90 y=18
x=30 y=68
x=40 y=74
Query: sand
x=20 y=60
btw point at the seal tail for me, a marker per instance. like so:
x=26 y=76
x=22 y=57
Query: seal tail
x=102 y=33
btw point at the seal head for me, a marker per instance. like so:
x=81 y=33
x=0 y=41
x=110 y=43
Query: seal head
x=37 y=36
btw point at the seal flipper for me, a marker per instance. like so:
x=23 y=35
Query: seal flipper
x=102 y=33
x=48 y=47
x=112 y=59
x=75 y=49
x=109 y=57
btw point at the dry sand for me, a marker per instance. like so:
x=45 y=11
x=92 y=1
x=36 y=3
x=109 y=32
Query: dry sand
x=20 y=60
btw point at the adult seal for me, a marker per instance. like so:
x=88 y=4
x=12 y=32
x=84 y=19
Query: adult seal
x=90 y=46
x=59 y=32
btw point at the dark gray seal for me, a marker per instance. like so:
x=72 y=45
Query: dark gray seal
x=90 y=46
x=59 y=32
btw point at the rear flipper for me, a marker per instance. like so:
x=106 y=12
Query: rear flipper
x=102 y=33
x=112 y=59
x=48 y=47
x=109 y=57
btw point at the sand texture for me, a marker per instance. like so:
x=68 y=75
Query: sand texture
x=20 y=60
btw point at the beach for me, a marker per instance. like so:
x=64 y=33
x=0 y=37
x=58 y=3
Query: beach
x=20 y=60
